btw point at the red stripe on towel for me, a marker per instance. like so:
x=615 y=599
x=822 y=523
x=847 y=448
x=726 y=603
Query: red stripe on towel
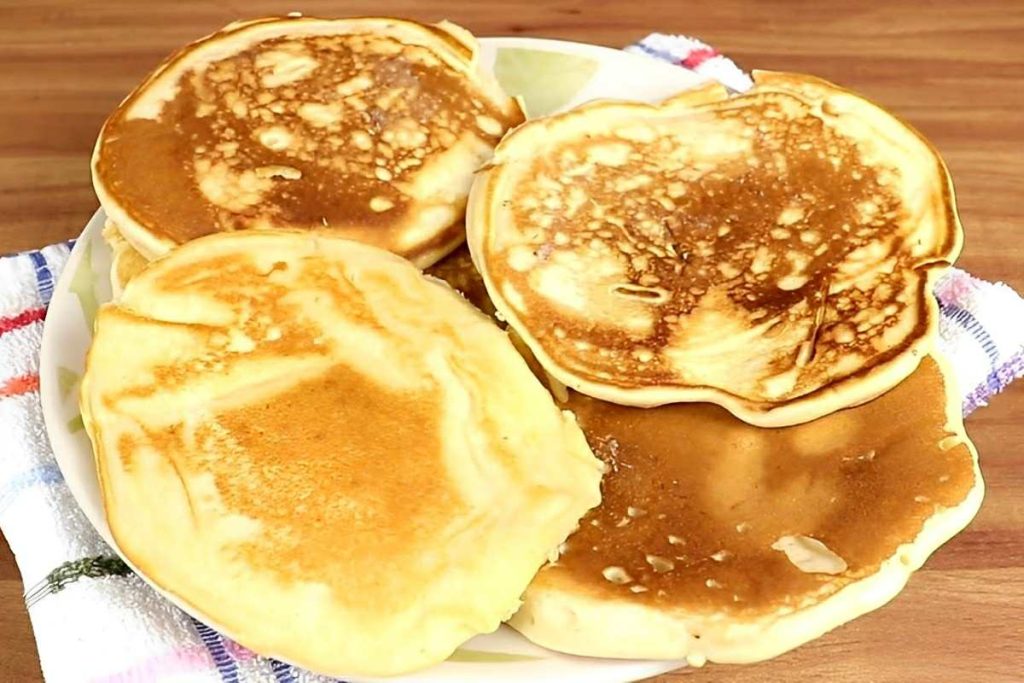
x=698 y=57
x=24 y=318
x=16 y=386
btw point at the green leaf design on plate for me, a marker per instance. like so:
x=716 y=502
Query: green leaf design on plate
x=66 y=380
x=545 y=80
x=483 y=657
x=75 y=424
x=82 y=286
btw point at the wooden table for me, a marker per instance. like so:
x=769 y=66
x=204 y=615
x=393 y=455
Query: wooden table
x=954 y=69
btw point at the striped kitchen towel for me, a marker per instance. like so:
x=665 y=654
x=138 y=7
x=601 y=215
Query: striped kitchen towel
x=95 y=621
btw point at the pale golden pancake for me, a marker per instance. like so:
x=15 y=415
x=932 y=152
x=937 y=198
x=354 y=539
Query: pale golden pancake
x=770 y=252
x=125 y=262
x=456 y=269
x=368 y=128
x=330 y=457
x=719 y=541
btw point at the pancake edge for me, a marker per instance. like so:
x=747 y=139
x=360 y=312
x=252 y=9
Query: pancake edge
x=566 y=419
x=579 y=625
x=854 y=389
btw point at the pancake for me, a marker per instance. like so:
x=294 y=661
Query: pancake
x=771 y=252
x=125 y=263
x=719 y=541
x=326 y=455
x=458 y=271
x=367 y=128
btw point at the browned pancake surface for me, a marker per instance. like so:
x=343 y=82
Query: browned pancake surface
x=317 y=131
x=296 y=434
x=771 y=252
x=767 y=229
x=694 y=499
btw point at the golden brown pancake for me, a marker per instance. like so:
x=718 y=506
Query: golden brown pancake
x=367 y=128
x=717 y=540
x=770 y=252
x=328 y=456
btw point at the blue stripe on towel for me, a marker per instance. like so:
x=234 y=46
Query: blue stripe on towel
x=222 y=659
x=44 y=277
x=647 y=49
x=283 y=673
x=43 y=474
x=966 y=320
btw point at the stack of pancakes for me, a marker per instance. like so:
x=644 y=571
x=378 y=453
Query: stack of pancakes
x=771 y=255
x=713 y=427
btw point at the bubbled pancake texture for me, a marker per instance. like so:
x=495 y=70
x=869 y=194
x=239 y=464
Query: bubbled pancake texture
x=314 y=132
x=750 y=251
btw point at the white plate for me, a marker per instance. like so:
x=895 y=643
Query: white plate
x=549 y=75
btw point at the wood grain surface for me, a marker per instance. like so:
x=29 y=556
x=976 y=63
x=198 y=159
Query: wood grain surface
x=954 y=69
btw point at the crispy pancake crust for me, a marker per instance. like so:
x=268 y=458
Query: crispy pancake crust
x=771 y=252
x=369 y=128
x=719 y=541
x=328 y=456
